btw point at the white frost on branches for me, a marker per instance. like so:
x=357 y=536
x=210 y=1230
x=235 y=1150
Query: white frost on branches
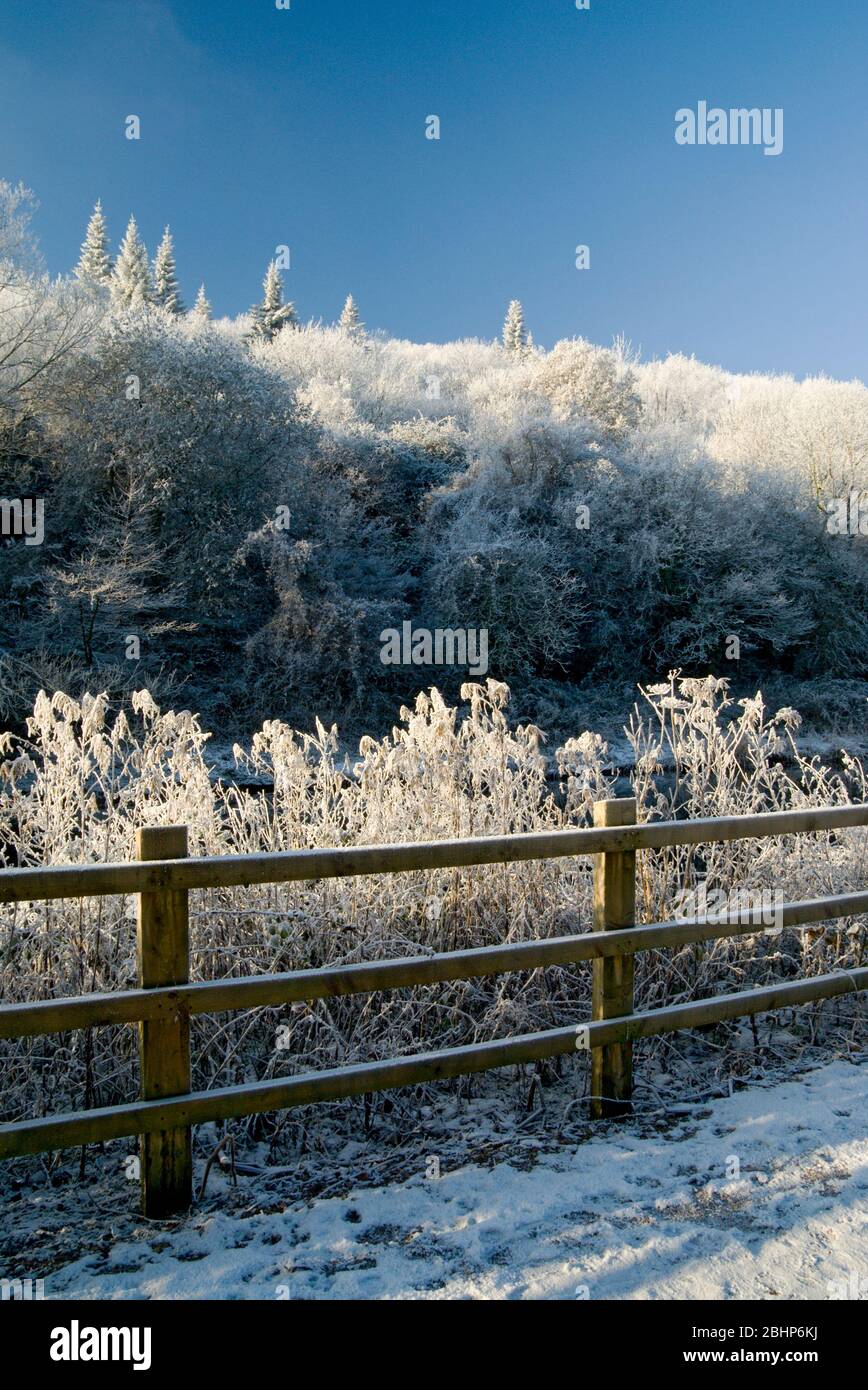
x=95 y=263
x=131 y=285
x=166 y=292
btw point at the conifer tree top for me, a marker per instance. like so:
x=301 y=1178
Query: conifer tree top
x=131 y=281
x=349 y=321
x=166 y=292
x=202 y=306
x=95 y=264
x=272 y=314
x=514 y=330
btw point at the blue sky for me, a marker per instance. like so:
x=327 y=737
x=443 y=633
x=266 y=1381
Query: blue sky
x=306 y=127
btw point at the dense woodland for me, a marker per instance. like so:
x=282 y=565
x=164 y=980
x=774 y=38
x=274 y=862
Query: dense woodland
x=254 y=500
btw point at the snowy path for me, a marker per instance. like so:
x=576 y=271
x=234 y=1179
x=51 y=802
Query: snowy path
x=621 y=1216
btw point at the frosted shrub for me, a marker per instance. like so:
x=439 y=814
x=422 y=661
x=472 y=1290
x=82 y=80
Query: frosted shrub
x=83 y=779
x=815 y=431
x=584 y=382
x=681 y=391
x=811 y=436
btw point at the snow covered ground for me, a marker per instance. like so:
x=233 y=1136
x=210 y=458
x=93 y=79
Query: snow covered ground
x=763 y=1194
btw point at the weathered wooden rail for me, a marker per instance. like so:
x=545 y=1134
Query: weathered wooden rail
x=166 y=999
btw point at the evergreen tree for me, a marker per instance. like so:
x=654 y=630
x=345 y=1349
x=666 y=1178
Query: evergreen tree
x=166 y=292
x=514 y=331
x=202 y=308
x=272 y=314
x=349 y=321
x=94 y=263
x=131 y=279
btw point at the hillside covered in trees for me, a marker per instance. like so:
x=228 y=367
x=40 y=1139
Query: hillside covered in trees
x=232 y=513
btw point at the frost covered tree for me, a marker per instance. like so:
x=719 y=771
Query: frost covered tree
x=166 y=292
x=118 y=581
x=18 y=246
x=514 y=330
x=586 y=382
x=131 y=279
x=202 y=307
x=41 y=321
x=95 y=264
x=272 y=314
x=145 y=517
x=349 y=322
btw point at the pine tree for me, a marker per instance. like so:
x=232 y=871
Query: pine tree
x=349 y=321
x=94 y=263
x=131 y=279
x=202 y=308
x=514 y=331
x=166 y=292
x=272 y=314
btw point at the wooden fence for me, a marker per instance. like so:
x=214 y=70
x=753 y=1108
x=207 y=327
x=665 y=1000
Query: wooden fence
x=163 y=876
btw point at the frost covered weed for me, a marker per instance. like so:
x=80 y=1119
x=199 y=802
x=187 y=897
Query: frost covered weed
x=78 y=786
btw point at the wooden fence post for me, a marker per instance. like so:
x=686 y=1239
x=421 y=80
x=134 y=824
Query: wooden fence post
x=163 y=952
x=614 y=906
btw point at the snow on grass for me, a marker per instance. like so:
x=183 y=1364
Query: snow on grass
x=630 y=1214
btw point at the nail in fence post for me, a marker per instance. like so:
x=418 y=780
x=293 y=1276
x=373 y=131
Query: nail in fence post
x=163 y=952
x=614 y=906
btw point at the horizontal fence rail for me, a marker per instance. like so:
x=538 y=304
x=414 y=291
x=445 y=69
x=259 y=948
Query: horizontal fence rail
x=298 y=865
x=165 y=1001
x=144 y=1117
x=46 y=1016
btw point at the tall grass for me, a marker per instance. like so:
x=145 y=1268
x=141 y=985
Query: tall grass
x=77 y=787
